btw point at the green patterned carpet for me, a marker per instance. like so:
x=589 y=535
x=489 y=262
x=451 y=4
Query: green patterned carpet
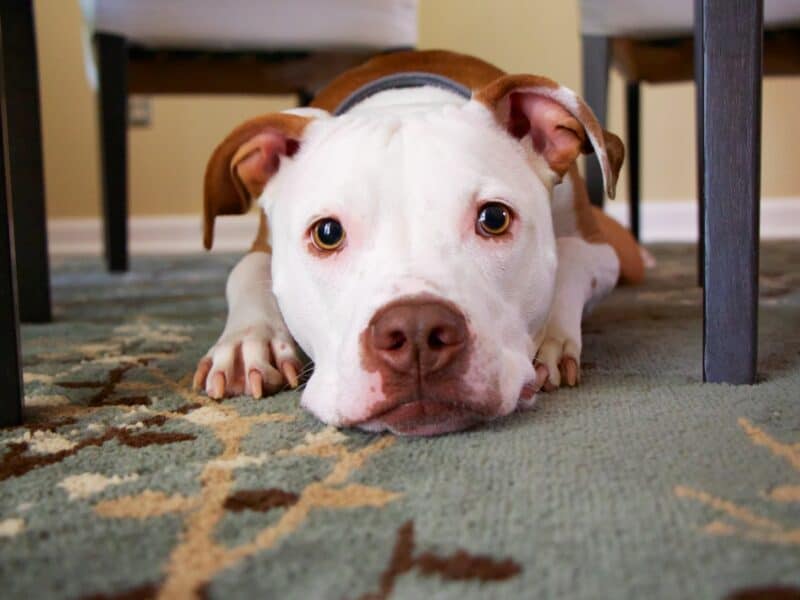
x=641 y=483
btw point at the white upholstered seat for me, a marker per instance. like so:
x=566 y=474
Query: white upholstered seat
x=257 y=24
x=664 y=18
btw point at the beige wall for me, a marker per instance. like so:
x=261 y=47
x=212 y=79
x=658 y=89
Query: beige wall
x=536 y=36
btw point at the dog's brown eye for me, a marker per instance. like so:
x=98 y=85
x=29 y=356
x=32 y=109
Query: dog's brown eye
x=328 y=234
x=494 y=219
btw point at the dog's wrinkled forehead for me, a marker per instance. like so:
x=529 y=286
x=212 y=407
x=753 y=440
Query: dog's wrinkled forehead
x=431 y=159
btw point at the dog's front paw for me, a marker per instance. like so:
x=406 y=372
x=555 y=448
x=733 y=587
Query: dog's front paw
x=560 y=356
x=255 y=360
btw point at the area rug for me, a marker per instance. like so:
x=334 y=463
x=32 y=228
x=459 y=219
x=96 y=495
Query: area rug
x=641 y=483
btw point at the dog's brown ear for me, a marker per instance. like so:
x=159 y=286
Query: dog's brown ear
x=242 y=164
x=560 y=124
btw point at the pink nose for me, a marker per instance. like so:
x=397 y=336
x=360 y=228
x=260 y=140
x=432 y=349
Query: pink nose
x=425 y=335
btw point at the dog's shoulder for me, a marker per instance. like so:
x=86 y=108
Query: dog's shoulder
x=469 y=71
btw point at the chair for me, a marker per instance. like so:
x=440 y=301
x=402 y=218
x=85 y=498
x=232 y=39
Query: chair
x=21 y=200
x=24 y=171
x=10 y=372
x=233 y=47
x=653 y=41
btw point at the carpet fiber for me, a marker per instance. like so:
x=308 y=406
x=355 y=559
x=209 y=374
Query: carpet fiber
x=641 y=483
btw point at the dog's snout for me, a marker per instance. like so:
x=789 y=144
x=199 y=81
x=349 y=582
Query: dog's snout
x=428 y=336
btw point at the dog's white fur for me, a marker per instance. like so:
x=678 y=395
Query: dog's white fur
x=406 y=172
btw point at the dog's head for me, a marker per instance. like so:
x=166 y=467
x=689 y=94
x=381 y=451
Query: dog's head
x=413 y=250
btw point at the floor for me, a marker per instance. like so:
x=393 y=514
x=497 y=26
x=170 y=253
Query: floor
x=642 y=482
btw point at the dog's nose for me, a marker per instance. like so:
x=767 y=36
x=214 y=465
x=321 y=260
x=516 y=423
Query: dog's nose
x=427 y=335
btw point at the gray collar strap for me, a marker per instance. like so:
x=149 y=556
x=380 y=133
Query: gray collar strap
x=401 y=80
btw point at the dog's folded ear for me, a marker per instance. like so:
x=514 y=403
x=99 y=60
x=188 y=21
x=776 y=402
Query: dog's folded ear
x=560 y=124
x=242 y=164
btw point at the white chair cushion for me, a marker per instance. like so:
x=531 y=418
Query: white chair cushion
x=257 y=24
x=662 y=18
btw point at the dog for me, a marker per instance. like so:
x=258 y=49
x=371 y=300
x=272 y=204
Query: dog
x=426 y=240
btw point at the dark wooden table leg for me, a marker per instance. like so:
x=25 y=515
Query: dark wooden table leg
x=10 y=363
x=732 y=32
x=596 y=63
x=633 y=117
x=112 y=55
x=24 y=156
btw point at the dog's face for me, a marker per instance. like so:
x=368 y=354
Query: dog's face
x=415 y=303
x=414 y=261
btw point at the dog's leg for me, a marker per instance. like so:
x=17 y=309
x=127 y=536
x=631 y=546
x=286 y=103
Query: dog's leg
x=255 y=354
x=586 y=273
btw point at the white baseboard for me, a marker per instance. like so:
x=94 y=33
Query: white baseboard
x=673 y=221
x=174 y=234
x=676 y=221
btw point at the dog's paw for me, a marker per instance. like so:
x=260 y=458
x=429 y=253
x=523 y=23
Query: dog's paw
x=560 y=357
x=256 y=360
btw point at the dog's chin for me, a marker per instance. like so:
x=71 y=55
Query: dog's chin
x=423 y=418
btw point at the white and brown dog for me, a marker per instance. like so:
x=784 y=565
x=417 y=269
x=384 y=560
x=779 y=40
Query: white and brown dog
x=430 y=246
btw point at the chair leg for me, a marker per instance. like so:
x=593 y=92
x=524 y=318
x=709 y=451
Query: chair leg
x=304 y=97
x=112 y=54
x=11 y=394
x=698 y=104
x=732 y=32
x=24 y=155
x=633 y=116
x=596 y=63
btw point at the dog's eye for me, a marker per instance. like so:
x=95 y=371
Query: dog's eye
x=328 y=234
x=493 y=219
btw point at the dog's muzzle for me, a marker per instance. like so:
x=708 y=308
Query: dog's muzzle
x=421 y=348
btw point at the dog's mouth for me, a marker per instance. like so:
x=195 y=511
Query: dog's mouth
x=424 y=418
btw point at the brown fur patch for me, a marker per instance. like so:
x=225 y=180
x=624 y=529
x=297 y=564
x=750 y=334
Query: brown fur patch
x=460 y=566
x=466 y=70
x=260 y=244
x=615 y=150
x=596 y=227
x=501 y=87
x=259 y=500
x=224 y=194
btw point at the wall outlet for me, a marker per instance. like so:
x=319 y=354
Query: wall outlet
x=139 y=111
